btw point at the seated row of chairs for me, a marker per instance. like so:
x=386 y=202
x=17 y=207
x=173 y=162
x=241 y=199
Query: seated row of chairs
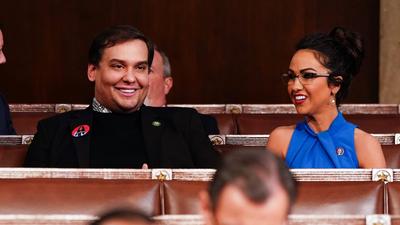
x=26 y=191
x=224 y=108
x=296 y=220
x=13 y=155
x=74 y=196
x=376 y=219
x=162 y=174
x=235 y=119
x=391 y=152
x=265 y=123
x=220 y=139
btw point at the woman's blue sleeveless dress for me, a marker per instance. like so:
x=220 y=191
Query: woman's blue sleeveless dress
x=333 y=148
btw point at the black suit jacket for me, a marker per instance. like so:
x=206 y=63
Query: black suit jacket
x=174 y=138
x=6 y=127
x=210 y=124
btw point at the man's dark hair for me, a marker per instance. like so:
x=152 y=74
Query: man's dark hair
x=116 y=35
x=123 y=214
x=341 y=51
x=251 y=171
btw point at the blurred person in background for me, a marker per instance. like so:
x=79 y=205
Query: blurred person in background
x=160 y=84
x=6 y=126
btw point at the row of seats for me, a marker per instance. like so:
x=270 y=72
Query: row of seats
x=377 y=219
x=168 y=197
x=25 y=122
x=338 y=175
x=247 y=139
x=296 y=220
x=74 y=196
x=224 y=108
x=391 y=152
x=219 y=139
x=235 y=119
x=14 y=155
x=265 y=123
x=162 y=197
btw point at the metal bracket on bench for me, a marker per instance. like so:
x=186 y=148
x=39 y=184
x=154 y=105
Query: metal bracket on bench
x=61 y=108
x=217 y=139
x=161 y=174
x=396 y=139
x=26 y=139
x=234 y=109
x=385 y=175
x=378 y=219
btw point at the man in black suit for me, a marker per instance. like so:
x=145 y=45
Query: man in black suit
x=6 y=127
x=161 y=82
x=117 y=130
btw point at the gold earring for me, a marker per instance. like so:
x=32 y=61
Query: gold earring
x=333 y=101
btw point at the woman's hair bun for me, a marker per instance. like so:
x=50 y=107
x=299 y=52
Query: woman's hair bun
x=352 y=45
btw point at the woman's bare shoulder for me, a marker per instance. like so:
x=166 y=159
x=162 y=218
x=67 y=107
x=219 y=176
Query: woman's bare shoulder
x=363 y=138
x=279 y=139
x=369 y=150
x=283 y=130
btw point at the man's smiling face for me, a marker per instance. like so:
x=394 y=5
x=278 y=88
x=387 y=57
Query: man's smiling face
x=121 y=77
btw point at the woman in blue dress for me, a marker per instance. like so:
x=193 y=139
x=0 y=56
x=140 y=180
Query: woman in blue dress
x=318 y=79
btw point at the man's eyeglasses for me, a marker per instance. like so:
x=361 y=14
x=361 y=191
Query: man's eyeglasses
x=305 y=78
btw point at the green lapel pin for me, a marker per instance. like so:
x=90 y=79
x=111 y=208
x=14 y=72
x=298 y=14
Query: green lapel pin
x=156 y=123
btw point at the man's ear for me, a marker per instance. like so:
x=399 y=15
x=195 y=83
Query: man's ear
x=205 y=206
x=168 y=83
x=91 y=72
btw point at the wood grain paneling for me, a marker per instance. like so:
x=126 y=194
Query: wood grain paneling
x=225 y=51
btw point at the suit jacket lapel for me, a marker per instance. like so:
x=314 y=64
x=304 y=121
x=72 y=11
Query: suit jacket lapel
x=152 y=127
x=82 y=143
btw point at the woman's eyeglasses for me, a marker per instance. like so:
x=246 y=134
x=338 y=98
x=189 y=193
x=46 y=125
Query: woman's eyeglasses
x=305 y=78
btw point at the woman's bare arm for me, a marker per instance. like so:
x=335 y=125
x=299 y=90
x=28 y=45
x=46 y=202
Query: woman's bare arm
x=279 y=140
x=369 y=151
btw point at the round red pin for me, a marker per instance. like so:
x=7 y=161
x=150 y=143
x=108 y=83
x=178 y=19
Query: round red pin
x=80 y=130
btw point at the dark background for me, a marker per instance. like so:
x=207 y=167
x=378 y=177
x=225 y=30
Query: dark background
x=221 y=51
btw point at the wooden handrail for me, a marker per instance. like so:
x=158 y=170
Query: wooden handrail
x=224 y=108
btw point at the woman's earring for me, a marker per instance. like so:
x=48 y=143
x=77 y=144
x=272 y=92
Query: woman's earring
x=333 y=99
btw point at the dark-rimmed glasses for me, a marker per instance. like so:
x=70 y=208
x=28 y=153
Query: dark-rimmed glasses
x=305 y=78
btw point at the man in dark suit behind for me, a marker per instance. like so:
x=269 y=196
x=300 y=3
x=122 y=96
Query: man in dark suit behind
x=117 y=130
x=6 y=127
x=160 y=84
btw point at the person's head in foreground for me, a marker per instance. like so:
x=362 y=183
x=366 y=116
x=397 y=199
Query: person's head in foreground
x=119 y=64
x=124 y=217
x=249 y=188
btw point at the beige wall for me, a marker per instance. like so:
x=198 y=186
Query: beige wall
x=389 y=59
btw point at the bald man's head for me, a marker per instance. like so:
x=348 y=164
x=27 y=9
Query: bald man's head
x=249 y=188
x=124 y=217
